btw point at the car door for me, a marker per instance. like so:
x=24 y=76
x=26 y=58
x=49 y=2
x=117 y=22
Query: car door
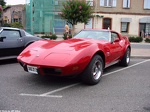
x=115 y=47
x=13 y=44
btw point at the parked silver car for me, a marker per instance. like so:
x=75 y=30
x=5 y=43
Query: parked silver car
x=13 y=41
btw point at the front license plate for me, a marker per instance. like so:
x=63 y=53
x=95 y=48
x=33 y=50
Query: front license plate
x=32 y=69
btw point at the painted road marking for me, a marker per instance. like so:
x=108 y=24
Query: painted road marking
x=126 y=67
x=39 y=95
x=48 y=94
x=60 y=89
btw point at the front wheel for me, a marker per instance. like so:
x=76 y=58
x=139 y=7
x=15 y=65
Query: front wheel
x=93 y=72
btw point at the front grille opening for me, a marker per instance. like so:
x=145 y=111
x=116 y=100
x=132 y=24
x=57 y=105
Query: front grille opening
x=52 y=71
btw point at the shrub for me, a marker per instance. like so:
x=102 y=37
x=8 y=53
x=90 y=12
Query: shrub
x=65 y=36
x=147 y=40
x=6 y=25
x=52 y=37
x=135 y=39
x=46 y=37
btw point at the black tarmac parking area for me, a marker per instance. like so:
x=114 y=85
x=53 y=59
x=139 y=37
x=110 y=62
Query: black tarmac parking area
x=122 y=89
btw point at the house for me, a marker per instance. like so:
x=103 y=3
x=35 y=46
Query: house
x=14 y=13
x=129 y=17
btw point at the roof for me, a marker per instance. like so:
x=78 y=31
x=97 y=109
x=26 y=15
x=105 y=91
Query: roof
x=7 y=8
x=11 y=28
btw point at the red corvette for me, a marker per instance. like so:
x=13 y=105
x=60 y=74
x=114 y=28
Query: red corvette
x=87 y=54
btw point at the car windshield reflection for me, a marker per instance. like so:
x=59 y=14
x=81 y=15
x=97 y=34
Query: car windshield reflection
x=1 y=30
x=97 y=35
x=27 y=34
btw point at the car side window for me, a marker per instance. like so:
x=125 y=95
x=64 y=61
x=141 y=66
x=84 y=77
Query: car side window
x=10 y=34
x=114 y=36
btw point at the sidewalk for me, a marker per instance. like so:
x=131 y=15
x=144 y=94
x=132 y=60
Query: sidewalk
x=140 y=53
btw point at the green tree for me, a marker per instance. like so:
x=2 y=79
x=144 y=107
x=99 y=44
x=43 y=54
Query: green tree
x=76 y=11
x=2 y=3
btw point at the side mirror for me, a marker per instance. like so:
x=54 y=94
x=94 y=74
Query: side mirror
x=2 y=39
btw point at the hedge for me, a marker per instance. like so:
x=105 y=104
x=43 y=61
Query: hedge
x=135 y=39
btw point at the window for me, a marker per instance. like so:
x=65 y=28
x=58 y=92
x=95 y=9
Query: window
x=148 y=27
x=27 y=34
x=89 y=25
x=15 y=20
x=90 y=2
x=107 y=23
x=145 y=29
x=98 y=35
x=124 y=26
x=126 y=3
x=56 y=2
x=146 y=4
x=113 y=36
x=108 y=3
x=11 y=34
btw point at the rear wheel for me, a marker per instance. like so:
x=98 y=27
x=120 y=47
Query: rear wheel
x=93 y=72
x=126 y=58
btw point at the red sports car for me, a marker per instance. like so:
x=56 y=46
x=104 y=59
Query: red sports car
x=87 y=54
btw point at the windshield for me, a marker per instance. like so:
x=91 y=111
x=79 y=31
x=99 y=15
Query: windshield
x=1 y=30
x=98 y=35
x=27 y=34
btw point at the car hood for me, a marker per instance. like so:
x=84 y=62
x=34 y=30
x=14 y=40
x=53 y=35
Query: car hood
x=54 y=53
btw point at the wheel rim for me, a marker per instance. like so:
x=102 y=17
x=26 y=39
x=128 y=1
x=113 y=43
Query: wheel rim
x=97 y=67
x=128 y=56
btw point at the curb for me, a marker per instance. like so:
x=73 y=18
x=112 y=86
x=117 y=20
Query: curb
x=141 y=57
x=141 y=43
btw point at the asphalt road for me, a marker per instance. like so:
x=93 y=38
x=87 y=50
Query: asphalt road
x=120 y=90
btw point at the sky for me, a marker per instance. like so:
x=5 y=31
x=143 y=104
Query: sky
x=15 y=2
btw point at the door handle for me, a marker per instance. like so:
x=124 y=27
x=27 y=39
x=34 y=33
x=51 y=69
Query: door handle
x=19 y=39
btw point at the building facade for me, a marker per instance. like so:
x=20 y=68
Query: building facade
x=129 y=17
x=42 y=17
x=14 y=13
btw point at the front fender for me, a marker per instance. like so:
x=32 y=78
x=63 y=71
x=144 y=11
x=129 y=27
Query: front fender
x=84 y=57
x=28 y=43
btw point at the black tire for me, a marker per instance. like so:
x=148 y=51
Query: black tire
x=126 y=58
x=93 y=73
